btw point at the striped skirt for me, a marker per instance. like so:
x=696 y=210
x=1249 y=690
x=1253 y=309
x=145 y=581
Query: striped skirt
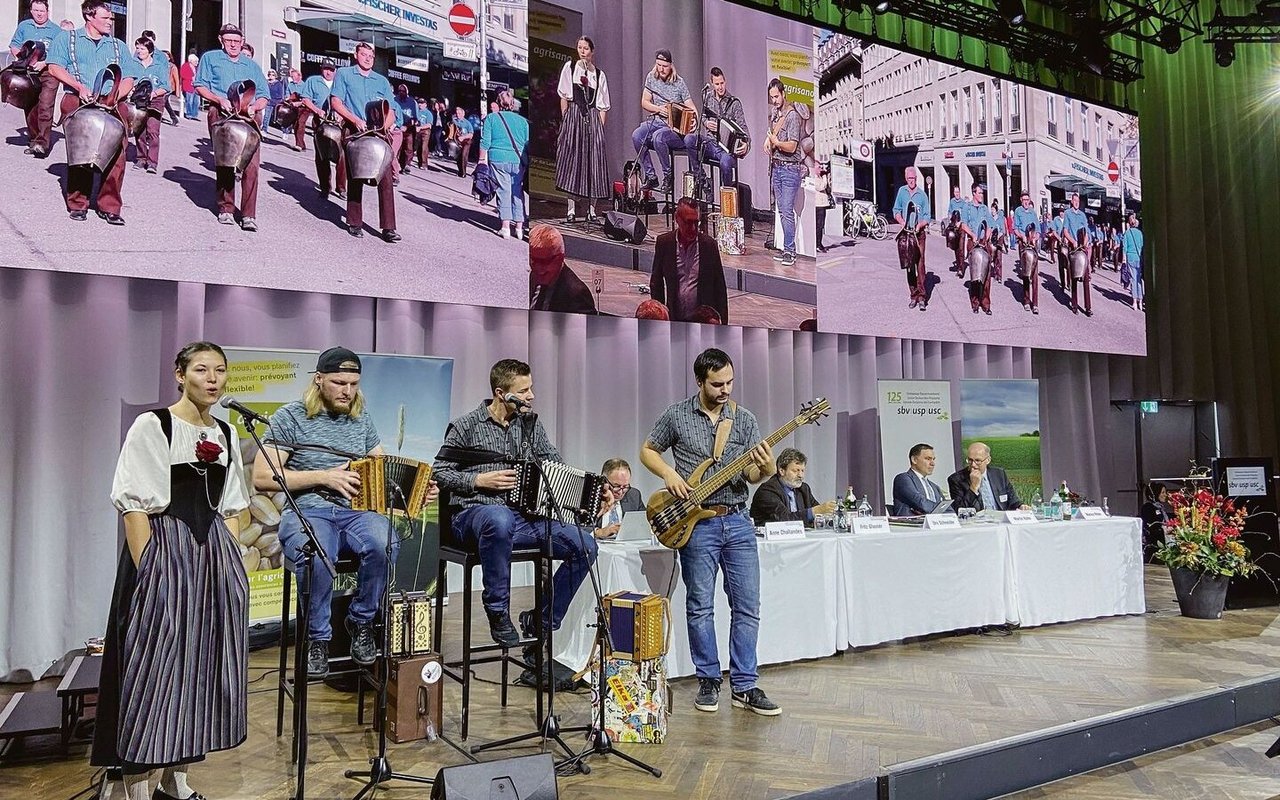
x=175 y=664
x=581 y=167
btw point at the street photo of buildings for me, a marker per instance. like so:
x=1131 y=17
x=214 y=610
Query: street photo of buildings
x=887 y=118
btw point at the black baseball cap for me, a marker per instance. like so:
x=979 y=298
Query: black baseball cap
x=338 y=359
x=328 y=63
x=230 y=27
x=663 y=55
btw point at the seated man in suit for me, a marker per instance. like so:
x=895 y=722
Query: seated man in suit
x=625 y=497
x=786 y=496
x=982 y=486
x=913 y=492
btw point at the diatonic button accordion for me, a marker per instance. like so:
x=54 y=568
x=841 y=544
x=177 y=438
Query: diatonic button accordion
x=576 y=492
x=379 y=474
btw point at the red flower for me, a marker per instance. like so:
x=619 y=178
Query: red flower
x=208 y=451
x=1230 y=532
x=583 y=81
x=1219 y=539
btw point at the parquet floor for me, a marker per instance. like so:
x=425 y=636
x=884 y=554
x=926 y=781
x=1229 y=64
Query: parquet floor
x=844 y=717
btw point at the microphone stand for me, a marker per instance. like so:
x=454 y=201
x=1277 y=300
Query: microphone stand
x=380 y=770
x=548 y=724
x=307 y=553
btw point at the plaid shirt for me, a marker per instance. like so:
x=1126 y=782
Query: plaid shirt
x=688 y=431
x=478 y=429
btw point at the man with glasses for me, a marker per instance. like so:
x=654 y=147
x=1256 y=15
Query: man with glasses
x=76 y=57
x=981 y=486
x=218 y=71
x=625 y=496
x=785 y=496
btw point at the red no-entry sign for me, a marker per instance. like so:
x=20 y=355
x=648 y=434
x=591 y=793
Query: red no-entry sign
x=462 y=19
x=1113 y=172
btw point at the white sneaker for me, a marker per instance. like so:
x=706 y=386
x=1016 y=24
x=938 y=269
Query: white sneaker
x=517 y=231
x=506 y=232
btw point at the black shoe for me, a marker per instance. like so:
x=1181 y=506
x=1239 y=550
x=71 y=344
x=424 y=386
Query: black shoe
x=501 y=629
x=356 y=231
x=39 y=152
x=28 y=151
x=754 y=700
x=341 y=195
x=649 y=184
x=668 y=185
x=112 y=219
x=160 y=794
x=528 y=624
x=914 y=303
x=79 y=216
x=1088 y=313
x=390 y=236
x=317 y=659
x=708 y=698
x=364 y=648
x=986 y=311
x=924 y=306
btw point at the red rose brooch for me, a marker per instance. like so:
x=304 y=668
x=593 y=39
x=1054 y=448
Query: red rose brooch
x=207 y=451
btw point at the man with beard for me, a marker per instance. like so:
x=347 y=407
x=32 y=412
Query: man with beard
x=42 y=30
x=76 y=57
x=332 y=413
x=315 y=94
x=354 y=88
x=786 y=165
x=218 y=71
x=785 y=496
x=662 y=85
x=687 y=272
x=911 y=211
x=1024 y=227
x=1075 y=229
x=979 y=226
x=552 y=285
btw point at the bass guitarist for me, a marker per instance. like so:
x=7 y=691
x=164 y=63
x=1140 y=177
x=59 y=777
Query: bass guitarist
x=711 y=426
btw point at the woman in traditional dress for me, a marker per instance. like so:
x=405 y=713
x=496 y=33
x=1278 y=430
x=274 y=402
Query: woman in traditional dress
x=174 y=669
x=582 y=171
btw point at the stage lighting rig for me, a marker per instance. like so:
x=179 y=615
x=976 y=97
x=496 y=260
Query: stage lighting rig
x=1226 y=32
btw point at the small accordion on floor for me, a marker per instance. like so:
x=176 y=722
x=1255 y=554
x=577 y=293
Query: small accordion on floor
x=391 y=482
x=410 y=624
x=576 y=492
x=639 y=625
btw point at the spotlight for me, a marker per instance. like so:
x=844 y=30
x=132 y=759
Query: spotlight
x=1170 y=38
x=1224 y=53
x=882 y=6
x=1013 y=11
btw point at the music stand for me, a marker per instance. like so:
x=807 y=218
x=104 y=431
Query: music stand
x=309 y=551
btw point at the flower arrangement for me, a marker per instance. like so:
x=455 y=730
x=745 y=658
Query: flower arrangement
x=1203 y=534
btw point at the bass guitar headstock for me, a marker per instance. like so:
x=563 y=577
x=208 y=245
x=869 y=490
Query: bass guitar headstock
x=813 y=411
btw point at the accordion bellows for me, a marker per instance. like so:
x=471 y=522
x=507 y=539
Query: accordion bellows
x=378 y=474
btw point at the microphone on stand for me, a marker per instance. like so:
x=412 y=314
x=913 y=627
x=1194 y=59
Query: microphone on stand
x=516 y=401
x=235 y=405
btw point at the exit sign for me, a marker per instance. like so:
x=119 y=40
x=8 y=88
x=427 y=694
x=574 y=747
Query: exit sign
x=1149 y=406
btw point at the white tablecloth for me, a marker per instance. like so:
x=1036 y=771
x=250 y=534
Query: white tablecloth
x=830 y=591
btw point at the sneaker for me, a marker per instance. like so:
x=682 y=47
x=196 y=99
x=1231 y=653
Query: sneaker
x=356 y=231
x=226 y=219
x=528 y=624
x=754 y=700
x=151 y=168
x=79 y=216
x=788 y=260
x=668 y=184
x=708 y=698
x=501 y=629
x=364 y=648
x=249 y=224
x=505 y=233
x=317 y=659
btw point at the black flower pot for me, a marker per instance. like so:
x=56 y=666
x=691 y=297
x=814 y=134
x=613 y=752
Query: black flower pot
x=1200 y=595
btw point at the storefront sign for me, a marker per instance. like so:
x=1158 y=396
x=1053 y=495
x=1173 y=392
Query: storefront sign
x=420 y=64
x=278 y=34
x=455 y=75
x=118 y=8
x=1090 y=171
x=347 y=45
x=401 y=75
x=408 y=15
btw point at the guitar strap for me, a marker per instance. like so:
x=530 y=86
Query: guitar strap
x=724 y=426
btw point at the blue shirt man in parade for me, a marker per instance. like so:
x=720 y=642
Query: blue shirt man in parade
x=1132 y=244
x=315 y=105
x=218 y=71
x=354 y=88
x=40 y=29
x=956 y=206
x=911 y=211
x=1025 y=225
x=407 y=118
x=978 y=224
x=76 y=59
x=153 y=68
x=1075 y=229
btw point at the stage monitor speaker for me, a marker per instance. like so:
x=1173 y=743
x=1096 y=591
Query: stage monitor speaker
x=521 y=778
x=624 y=227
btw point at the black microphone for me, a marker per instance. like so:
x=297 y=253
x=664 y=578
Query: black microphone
x=235 y=405
x=515 y=401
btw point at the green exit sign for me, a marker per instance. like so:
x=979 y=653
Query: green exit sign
x=1149 y=406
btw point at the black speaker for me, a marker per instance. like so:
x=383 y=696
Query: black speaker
x=744 y=208
x=522 y=778
x=624 y=227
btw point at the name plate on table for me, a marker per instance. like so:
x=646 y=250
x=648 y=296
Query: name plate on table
x=941 y=522
x=777 y=531
x=1020 y=517
x=1089 y=512
x=870 y=525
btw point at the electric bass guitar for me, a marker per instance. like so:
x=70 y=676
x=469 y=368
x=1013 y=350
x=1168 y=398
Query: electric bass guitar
x=672 y=519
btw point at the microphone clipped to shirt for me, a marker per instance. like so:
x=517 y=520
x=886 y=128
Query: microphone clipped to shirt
x=235 y=405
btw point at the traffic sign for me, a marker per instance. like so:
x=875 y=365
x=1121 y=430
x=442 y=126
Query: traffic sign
x=1113 y=172
x=461 y=51
x=462 y=19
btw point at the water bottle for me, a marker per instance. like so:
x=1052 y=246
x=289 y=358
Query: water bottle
x=864 y=507
x=1037 y=502
x=1055 y=506
x=1066 y=501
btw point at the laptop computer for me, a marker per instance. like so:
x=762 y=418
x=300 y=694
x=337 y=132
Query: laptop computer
x=635 y=528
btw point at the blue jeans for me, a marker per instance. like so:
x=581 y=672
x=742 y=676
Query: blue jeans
x=510 y=190
x=1135 y=280
x=191 y=104
x=497 y=530
x=727 y=543
x=786 y=184
x=664 y=138
x=340 y=531
x=711 y=150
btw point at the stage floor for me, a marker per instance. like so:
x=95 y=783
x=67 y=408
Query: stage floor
x=843 y=717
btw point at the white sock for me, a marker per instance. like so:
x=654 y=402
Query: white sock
x=173 y=782
x=573 y=207
x=136 y=787
x=110 y=790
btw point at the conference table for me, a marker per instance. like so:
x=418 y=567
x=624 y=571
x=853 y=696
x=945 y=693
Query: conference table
x=831 y=591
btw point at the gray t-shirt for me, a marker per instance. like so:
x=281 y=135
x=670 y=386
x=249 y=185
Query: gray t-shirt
x=290 y=425
x=687 y=430
x=790 y=132
x=663 y=92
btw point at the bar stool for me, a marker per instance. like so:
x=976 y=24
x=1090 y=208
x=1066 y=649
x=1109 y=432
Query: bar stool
x=454 y=551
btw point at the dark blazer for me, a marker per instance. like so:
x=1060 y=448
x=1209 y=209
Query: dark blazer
x=568 y=293
x=908 y=496
x=632 y=501
x=1000 y=485
x=770 y=502
x=665 y=283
